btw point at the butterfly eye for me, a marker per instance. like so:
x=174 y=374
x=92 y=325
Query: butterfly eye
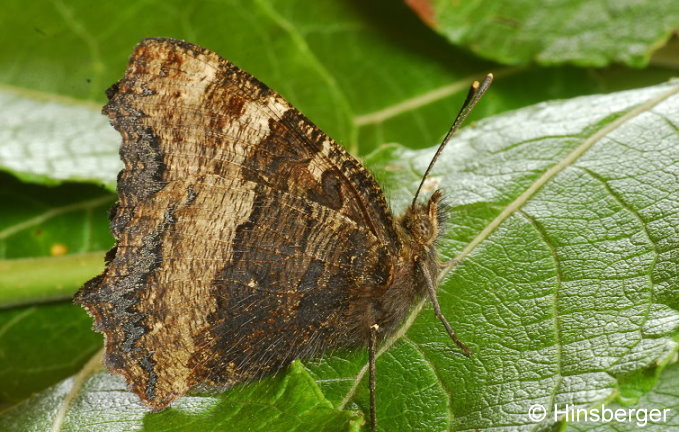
x=421 y=227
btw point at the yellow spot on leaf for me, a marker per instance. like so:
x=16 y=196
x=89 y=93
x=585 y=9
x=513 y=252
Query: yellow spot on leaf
x=58 y=249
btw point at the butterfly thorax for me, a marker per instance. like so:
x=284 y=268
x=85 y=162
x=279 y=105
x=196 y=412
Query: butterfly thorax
x=418 y=229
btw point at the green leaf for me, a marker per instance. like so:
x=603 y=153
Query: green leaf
x=285 y=402
x=569 y=271
x=42 y=344
x=49 y=139
x=655 y=411
x=586 y=33
x=52 y=239
x=66 y=343
x=564 y=216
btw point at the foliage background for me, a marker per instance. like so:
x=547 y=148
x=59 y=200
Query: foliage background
x=369 y=74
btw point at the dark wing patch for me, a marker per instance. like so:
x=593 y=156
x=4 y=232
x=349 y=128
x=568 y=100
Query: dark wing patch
x=281 y=299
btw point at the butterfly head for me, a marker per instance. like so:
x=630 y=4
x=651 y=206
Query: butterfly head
x=423 y=220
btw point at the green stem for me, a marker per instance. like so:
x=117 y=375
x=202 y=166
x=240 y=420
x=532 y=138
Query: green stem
x=38 y=280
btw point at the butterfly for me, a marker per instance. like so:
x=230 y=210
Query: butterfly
x=245 y=236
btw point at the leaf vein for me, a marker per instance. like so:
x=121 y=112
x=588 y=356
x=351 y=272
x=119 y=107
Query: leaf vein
x=437 y=374
x=619 y=199
x=53 y=212
x=558 y=330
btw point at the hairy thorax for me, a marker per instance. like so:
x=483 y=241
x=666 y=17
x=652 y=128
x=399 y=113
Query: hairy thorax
x=418 y=229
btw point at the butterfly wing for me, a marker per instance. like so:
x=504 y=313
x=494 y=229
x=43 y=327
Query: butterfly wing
x=245 y=237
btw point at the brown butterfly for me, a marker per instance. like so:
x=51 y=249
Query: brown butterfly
x=245 y=236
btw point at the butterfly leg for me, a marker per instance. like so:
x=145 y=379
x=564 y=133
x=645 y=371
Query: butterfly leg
x=372 y=357
x=431 y=289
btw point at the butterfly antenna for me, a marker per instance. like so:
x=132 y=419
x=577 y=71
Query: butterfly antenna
x=476 y=91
